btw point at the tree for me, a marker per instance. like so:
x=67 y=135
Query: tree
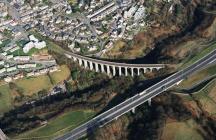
x=12 y=86
x=42 y=93
x=74 y=74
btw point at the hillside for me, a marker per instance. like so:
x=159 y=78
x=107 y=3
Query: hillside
x=179 y=37
x=179 y=40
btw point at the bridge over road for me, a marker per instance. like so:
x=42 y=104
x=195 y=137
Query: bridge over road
x=138 y=99
x=113 y=68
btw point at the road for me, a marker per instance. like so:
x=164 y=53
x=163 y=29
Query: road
x=101 y=10
x=138 y=99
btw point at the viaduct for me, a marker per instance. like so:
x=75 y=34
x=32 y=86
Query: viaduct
x=113 y=68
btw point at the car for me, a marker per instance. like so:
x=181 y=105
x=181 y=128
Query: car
x=163 y=87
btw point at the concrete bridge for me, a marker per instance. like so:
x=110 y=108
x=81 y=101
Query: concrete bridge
x=113 y=68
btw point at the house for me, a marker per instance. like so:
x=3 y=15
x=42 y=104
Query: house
x=33 y=38
x=30 y=74
x=43 y=71
x=40 y=45
x=68 y=11
x=9 y=56
x=41 y=57
x=93 y=48
x=12 y=68
x=37 y=45
x=2 y=70
x=140 y=13
x=7 y=48
x=27 y=47
x=1 y=62
x=14 y=49
x=22 y=58
x=18 y=76
x=53 y=68
x=4 y=53
x=25 y=66
x=8 y=79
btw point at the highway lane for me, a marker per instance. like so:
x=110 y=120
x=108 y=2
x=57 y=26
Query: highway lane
x=138 y=99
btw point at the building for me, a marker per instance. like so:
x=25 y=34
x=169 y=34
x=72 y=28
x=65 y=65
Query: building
x=30 y=74
x=140 y=13
x=41 y=57
x=9 y=56
x=8 y=79
x=1 y=62
x=12 y=68
x=14 y=49
x=18 y=76
x=53 y=69
x=2 y=70
x=27 y=47
x=40 y=45
x=22 y=58
x=25 y=66
x=33 y=38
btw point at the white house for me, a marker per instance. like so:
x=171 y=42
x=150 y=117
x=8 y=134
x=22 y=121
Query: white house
x=13 y=68
x=25 y=66
x=2 y=70
x=1 y=62
x=9 y=56
x=22 y=58
x=30 y=74
x=8 y=79
x=40 y=45
x=28 y=47
x=33 y=38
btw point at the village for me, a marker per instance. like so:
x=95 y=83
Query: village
x=91 y=32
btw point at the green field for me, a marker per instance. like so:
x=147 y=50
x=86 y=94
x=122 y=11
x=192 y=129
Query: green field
x=202 y=53
x=5 y=98
x=30 y=53
x=207 y=98
x=198 y=76
x=58 y=125
x=72 y=2
x=187 y=130
x=31 y=85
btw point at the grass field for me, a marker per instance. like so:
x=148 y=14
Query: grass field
x=58 y=125
x=201 y=75
x=61 y=75
x=72 y=1
x=207 y=98
x=115 y=50
x=5 y=99
x=34 y=84
x=122 y=49
x=186 y=130
x=30 y=53
x=201 y=54
x=31 y=86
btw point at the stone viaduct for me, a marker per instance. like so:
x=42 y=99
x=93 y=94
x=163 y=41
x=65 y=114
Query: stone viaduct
x=113 y=68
